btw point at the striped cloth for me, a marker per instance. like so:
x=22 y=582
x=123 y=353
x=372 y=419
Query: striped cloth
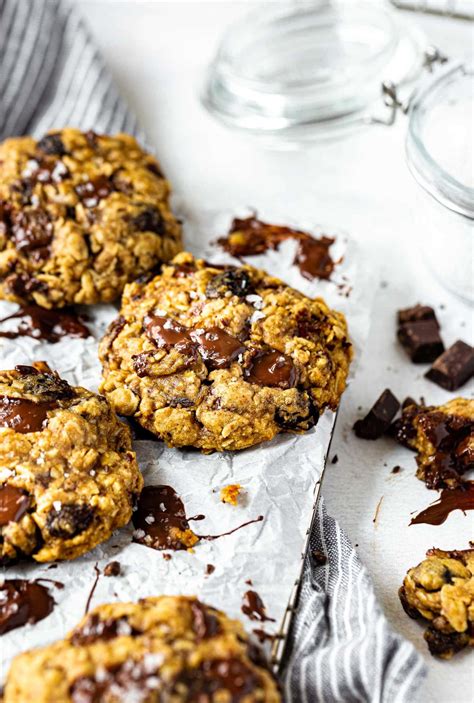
x=341 y=647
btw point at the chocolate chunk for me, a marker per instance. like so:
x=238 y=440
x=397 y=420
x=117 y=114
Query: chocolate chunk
x=217 y=347
x=403 y=430
x=205 y=624
x=210 y=568
x=416 y=313
x=32 y=231
x=149 y=220
x=112 y=569
x=218 y=675
x=421 y=340
x=69 y=520
x=14 y=503
x=23 y=602
x=51 y=144
x=379 y=417
x=233 y=281
x=92 y=192
x=293 y=423
x=271 y=368
x=24 y=415
x=167 y=333
x=445 y=645
x=23 y=284
x=454 y=367
x=95 y=629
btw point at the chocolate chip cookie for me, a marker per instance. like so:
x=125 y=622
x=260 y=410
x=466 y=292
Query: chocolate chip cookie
x=442 y=436
x=221 y=358
x=68 y=475
x=440 y=591
x=170 y=648
x=81 y=214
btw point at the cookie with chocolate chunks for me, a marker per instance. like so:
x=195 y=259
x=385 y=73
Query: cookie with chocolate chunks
x=222 y=358
x=68 y=475
x=169 y=648
x=80 y=216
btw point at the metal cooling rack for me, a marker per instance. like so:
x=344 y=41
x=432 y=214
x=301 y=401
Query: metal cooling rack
x=461 y=9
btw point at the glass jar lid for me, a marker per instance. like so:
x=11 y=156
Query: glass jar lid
x=299 y=71
x=440 y=137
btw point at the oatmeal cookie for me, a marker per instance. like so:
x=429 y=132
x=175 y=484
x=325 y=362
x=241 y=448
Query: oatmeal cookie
x=170 y=648
x=440 y=590
x=221 y=358
x=68 y=475
x=443 y=438
x=81 y=214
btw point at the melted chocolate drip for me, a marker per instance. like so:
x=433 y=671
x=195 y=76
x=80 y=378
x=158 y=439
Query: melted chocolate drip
x=217 y=347
x=250 y=236
x=23 y=602
x=161 y=516
x=254 y=607
x=271 y=368
x=24 y=415
x=263 y=636
x=48 y=325
x=230 y=532
x=205 y=623
x=14 y=503
x=92 y=591
x=460 y=498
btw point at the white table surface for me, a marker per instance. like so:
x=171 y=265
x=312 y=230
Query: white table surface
x=157 y=52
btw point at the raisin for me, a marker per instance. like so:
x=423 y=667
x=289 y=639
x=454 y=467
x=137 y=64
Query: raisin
x=51 y=144
x=233 y=280
x=148 y=220
x=69 y=520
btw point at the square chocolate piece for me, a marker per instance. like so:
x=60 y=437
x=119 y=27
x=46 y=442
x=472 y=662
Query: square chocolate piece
x=453 y=368
x=416 y=313
x=379 y=417
x=421 y=340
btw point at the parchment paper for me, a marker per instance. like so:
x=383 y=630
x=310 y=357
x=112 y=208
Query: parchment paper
x=278 y=477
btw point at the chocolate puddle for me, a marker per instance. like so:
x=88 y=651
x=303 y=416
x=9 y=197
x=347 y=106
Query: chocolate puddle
x=160 y=521
x=250 y=236
x=460 y=498
x=24 y=415
x=253 y=606
x=47 y=325
x=23 y=602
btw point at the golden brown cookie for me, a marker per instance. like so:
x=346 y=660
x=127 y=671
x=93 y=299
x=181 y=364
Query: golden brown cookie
x=442 y=436
x=222 y=357
x=68 y=475
x=171 y=648
x=440 y=590
x=81 y=214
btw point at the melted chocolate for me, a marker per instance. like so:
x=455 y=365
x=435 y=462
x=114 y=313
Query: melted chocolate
x=48 y=325
x=44 y=170
x=132 y=680
x=217 y=347
x=32 y=233
x=205 y=624
x=95 y=629
x=271 y=368
x=92 y=192
x=160 y=521
x=250 y=236
x=24 y=415
x=161 y=516
x=460 y=498
x=92 y=591
x=254 y=607
x=230 y=675
x=23 y=602
x=263 y=636
x=167 y=333
x=14 y=502
x=210 y=568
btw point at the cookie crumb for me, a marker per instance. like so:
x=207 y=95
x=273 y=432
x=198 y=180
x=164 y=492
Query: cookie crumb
x=230 y=494
x=210 y=568
x=335 y=459
x=396 y=469
x=318 y=558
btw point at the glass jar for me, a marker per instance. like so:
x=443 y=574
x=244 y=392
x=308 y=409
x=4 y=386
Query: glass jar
x=440 y=155
x=289 y=73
